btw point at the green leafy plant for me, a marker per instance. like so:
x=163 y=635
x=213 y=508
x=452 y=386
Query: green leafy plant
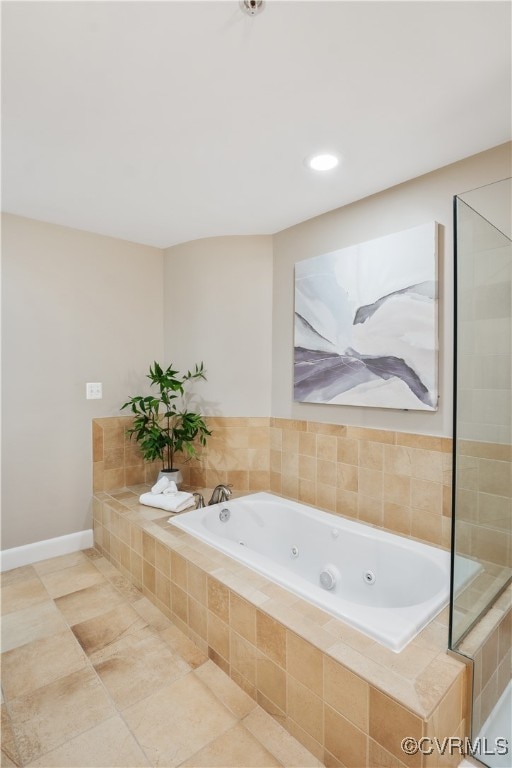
x=162 y=425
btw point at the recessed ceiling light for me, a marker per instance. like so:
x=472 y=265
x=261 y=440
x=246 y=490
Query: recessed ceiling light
x=251 y=7
x=323 y=162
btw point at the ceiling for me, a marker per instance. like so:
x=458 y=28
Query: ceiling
x=163 y=122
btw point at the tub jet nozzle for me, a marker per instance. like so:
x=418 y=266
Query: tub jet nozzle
x=328 y=578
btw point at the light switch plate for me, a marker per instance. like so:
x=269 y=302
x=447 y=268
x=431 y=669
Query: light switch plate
x=93 y=390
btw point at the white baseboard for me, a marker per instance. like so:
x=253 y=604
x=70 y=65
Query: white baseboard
x=41 y=550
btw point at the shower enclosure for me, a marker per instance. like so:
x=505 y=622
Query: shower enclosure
x=480 y=615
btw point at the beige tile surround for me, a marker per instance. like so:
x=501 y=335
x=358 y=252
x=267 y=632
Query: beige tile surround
x=489 y=644
x=484 y=501
x=393 y=480
x=484 y=510
x=397 y=481
x=347 y=699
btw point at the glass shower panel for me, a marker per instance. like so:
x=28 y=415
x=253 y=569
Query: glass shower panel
x=482 y=534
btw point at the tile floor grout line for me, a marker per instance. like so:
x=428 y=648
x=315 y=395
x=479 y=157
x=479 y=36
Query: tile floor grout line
x=8 y=703
x=215 y=692
x=117 y=712
x=88 y=664
x=121 y=715
x=59 y=746
x=120 y=712
x=212 y=740
x=239 y=720
x=267 y=746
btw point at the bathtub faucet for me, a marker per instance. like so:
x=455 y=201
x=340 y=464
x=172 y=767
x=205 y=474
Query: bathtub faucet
x=220 y=493
x=199 y=500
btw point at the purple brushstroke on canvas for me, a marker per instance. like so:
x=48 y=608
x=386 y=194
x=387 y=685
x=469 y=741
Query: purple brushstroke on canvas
x=328 y=375
x=426 y=289
x=310 y=328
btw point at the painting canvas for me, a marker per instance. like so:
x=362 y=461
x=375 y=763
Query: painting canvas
x=366 y=323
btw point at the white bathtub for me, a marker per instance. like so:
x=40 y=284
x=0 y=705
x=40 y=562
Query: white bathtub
x=384 y=585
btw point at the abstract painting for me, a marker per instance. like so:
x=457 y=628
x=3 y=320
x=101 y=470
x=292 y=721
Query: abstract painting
x=366 y=323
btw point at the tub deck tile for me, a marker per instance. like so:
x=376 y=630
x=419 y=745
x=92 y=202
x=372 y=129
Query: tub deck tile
x=418 y=679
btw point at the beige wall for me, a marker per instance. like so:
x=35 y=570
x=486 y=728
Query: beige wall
x=218 y=308
x=415 y=202
x=80 y=307
x=76 y=307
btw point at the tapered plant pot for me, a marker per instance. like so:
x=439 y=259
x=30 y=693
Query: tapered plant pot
x=173 y=474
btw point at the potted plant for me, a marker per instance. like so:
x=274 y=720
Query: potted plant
x=162 y=425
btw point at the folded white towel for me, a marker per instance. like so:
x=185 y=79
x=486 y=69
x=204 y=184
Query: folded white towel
x=161 y=485
x=171 y=502
x=171 y=488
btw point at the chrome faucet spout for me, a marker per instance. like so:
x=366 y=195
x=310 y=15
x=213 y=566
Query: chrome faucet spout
x=220 y=493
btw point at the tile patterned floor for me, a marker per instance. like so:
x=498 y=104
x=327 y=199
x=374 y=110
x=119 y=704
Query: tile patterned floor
x=94 y=675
